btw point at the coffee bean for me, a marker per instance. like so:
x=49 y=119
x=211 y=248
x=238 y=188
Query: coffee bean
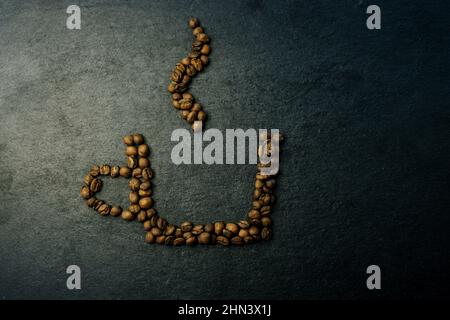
x=256 y=194
x=90 y=202
x=138 y=138
x=265 y=211
x=104 y=209
x=191 y=117
x=143 y=163
x=187 y=235
x=197 y=63
x=115 y=211
x=98 y=204
x=179 y=241
x=133 y=197
x=127 y=215
x=193 y=23
x=161 y=239
x=254 y=214
x=243 y=233
x=170 y=230
x=266 y=221
x=145 y=193
x=143 y=150
x=197 y=229
x=128 y=140
x=222 y=240
x=253 y=230
x=204 y=59
x=131 y=162
x=186 y=226
x=201 y=116
x=202 y=37
x=244 y=224
x=232 y=227
x=156 y=231
x=95 y=171
x=237 y=241
x=145 y=185
x=147 y=173
x=256 y=222
x=205 y=49
x=186 y=61
x=170 y=240
x=124 y=172
x=197 y=30
x=131 y=151
x=85 y=192
x=161 y=223
x=136 y=173
x=134 y=208
x=96 y=185
x=146 y=203
x=191 y=241
x=248 y=239
x=147 y=225
x=218 y=227
x=266 y=233
x=154 y=221
x=265 y=199
x=204 y=238
x=227 y=233
x=134 y=184
x=149 y=237
x=259 y=184
x=256 y=205
x=151 y=213
x=114 y=171
x=142 y=216
x=209 y=227
x=88 y=179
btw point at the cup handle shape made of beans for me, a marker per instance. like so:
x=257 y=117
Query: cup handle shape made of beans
x=255 y=227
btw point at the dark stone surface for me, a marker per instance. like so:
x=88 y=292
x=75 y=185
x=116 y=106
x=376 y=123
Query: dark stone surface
x=365 y=169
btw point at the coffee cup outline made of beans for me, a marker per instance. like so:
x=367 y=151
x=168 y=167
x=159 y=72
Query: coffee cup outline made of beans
x=255 y=227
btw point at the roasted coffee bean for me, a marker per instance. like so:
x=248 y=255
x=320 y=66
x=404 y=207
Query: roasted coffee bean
x=249 y=239
x=104 y=209
x=146 y=203
x=149 y=237
x=243 y=233
x=202 y=37
x=244 y=224
x=191 y=117
x=170 y=230
x=191 y=241
x=147 y=225
x=204 y=238
x=147 y=173
x=154 y=221
x=134 y=184
x=187 y=235
x=142 y=216
x=96 y=185
x=151 y=213
x=115 y=211
x=143 y=150
x=125 y=172
x=193 y=23
x=256 y=194
x=194 y=54
x=90 y=202
x=143 y=163
x=190 y=70
x=145 y=193
x=197 y=229
x=134 y=208
x=85 y=192
x=204 y=59
x=179 y=241
x=88 y=179
x=222 y=240
x=197 y=30
x=256 y=205
x=138 y=138
x=237 y=241
x=161 y=223
x=136 y=173
x=197 y=46
x=186 y=61
x=145 y=185
x=161 y=239
x=156 y=231
x=170 y=240
x=128 y=140
x=256 y=223
x=265 y=199
x=127 y=215
x=177 y=75
x=186 y=226
x=266 y=233
x=218 y=227
x=201 y=116
x=227 y=233
x=197 y=63
x=177 y=96
x=232 y=227
x=265 y=211
x=131 y=162
x=209 y=227
x=253 y=230
x=205 y=49
x=133 y=197
x=259 y=184
x=131 y=151
x=271 y=183
x=266 y=221
x=254 y=214
x=95 y=171
x=98 y=204
x=114 y=171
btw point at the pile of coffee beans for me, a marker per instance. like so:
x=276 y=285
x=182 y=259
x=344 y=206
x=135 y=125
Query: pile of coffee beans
x=255 y=227
x=185 y=70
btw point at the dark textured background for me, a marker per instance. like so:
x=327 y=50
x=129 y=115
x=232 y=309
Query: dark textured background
x=365 y=169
